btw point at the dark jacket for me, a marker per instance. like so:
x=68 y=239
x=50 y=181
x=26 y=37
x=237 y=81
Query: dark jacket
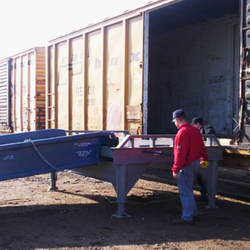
x=207 y=129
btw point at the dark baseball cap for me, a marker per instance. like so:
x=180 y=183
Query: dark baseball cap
x=196 y=120
x=178 y=113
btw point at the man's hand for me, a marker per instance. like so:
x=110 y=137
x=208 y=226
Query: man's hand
x=175 y=175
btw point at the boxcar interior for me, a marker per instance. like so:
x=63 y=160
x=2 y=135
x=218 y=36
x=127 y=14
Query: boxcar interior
x=193 y=63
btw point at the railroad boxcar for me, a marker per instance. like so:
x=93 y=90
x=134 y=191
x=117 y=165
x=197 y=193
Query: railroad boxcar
x=5 y=86
x=131 y=71
x=22 y=89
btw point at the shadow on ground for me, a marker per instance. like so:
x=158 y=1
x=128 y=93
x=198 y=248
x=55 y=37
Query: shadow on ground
x=90 y=225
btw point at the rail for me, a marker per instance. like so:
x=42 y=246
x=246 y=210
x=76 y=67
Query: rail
x=166 y=140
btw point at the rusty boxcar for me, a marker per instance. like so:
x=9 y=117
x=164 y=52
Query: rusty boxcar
x=131 y=71
x=22 y=90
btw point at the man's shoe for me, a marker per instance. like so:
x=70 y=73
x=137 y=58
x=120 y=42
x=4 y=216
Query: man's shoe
x=183 y=222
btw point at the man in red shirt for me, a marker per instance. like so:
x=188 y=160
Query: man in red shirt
x=189 y=151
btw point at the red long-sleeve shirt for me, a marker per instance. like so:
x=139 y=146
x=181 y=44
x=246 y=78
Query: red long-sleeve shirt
x=188 y=147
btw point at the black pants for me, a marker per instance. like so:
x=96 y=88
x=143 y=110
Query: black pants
x=203 y=186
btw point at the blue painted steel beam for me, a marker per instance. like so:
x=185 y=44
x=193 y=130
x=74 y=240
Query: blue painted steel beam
x=45 y=151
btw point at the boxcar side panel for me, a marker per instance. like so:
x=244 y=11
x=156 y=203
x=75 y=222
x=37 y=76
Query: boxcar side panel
x=134 y=97
x=62 y=85
x=13 y=96
x=28 y=90
x=38 y=93
x=114 y=78
x=5 y=83
x=76 y=74
x=18 y=96
x=32 y=91
x=50 y=89
x=24 y=92
x=94 y=86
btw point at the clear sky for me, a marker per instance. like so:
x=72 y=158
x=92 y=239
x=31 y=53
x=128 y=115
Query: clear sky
x=25 y=24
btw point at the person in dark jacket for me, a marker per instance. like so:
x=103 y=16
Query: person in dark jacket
x=204 y=129
x=189 y=152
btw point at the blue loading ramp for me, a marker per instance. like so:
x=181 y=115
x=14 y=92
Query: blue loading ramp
x=96 y=155
x=45 y=151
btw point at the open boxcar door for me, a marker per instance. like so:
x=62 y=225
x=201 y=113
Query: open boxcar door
x=244 y=111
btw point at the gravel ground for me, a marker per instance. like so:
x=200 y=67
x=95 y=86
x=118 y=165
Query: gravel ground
x=78 y=216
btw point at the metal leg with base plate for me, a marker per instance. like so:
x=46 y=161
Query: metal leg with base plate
x=121 y=189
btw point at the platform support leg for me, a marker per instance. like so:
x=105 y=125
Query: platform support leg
x=122 y=179
x=212 y=188
x=53 y=178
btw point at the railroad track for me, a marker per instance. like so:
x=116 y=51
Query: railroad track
x=232 y=183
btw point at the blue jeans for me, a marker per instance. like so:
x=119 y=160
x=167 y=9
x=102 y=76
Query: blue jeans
x=185 y=185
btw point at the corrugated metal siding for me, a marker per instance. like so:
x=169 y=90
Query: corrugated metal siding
x=134 y=94
x=38 y=94
x=94 y=86
x=76 y=83
x=50 y=88
x=114 y=82
x=5 y=70
x=28 y=84
x=94 y=81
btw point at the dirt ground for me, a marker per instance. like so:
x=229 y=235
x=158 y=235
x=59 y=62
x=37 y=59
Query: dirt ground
x=78 y=216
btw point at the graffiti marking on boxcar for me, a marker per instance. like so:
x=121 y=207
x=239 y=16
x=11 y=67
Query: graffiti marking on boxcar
x=94 y=120
x=135 y=57
x=114 y=119
x=91 y=90
x=74 y=57
x=22 y=64
x=114 y=61
x=78 y=91
x=91 y=101
x=216 y=79
x=97 y=64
